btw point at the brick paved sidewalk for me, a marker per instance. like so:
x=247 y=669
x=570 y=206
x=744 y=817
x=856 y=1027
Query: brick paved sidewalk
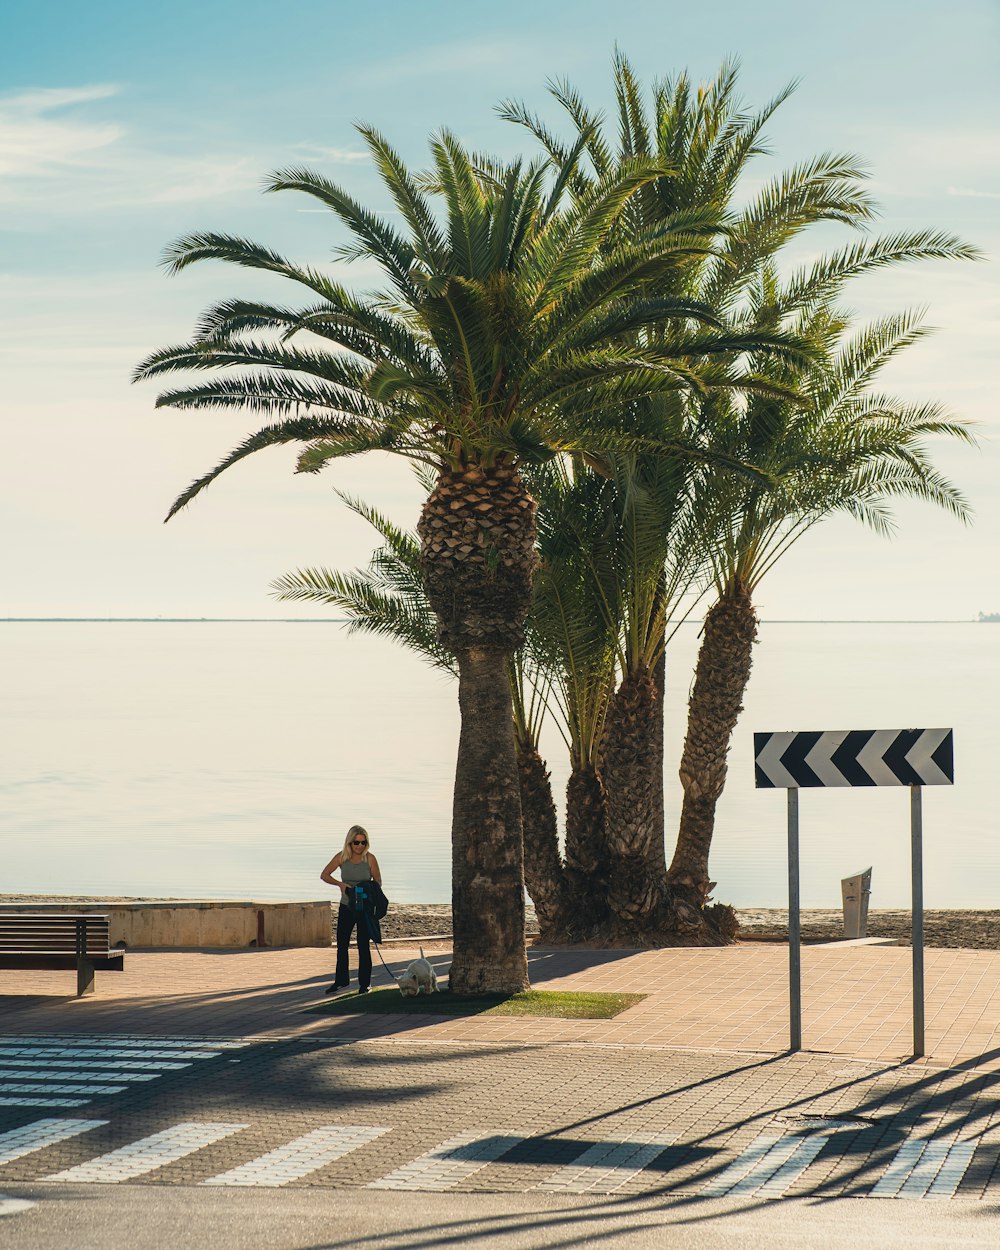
x=856 y=1000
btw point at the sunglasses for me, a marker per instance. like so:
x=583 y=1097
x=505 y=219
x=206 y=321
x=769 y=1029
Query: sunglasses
x=357 y=842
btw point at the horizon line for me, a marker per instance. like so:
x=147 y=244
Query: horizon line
x=340 y=620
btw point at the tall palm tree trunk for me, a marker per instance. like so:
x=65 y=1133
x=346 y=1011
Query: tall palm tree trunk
x=632 y=768
x=721 y=679
x=477 y=557
x=487 y=878
x=588 y=866
x=543 y=868
x=658 y=840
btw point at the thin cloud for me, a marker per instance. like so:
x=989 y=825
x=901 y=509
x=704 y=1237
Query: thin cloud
x=42 y=99
x=338 y=156
x=34 y=143
x=969 y=193
x=53 y=157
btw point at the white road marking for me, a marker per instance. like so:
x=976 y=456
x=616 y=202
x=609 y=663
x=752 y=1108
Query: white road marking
x=102 y=1052
x=606 y=1166
x=11 y=1206
x=147 y=1154
x=98 y=1065
x=31 y=1071
x=44 y=1102
x=300 y=1157
x=925 y=1169
x=18 y=1142
x=767 y=1167
x=20 y=1087
x=110 y=1039
x=450 y=1163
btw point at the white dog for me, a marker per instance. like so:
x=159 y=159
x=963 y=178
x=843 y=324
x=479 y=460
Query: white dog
x=418 y=978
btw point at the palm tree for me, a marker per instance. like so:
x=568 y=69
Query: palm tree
x=508 y=332
x=847 y=449
x=707 y=138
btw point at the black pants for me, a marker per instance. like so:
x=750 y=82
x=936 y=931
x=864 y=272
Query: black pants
x=347 y=918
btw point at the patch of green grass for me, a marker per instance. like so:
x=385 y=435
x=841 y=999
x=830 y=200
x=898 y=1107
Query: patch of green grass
x=565 y=1004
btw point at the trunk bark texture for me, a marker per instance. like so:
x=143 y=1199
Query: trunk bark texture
x=721 y=678
x=656 y=763
x=632 y=769
x=543 y=869
x=477 y=553
x=487 y=878
x=588 y=862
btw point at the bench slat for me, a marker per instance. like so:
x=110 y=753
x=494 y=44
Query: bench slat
x=58 y=916
x=57 y=938
x=112 y=963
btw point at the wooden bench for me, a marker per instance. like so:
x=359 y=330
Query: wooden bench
x=40 y=940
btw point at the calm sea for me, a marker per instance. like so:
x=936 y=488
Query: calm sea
x=226 y=759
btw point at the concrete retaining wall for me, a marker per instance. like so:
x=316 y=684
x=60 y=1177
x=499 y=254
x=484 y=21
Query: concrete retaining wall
x=205 y=924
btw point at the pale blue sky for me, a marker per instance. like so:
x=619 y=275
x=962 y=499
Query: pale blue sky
x=125 y=125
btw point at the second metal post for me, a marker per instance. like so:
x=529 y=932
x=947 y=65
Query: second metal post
x=794 y=927
x=917 y=916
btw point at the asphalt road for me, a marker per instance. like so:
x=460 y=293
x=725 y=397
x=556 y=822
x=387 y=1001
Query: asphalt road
x=173 y=1218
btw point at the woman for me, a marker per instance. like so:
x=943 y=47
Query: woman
x=357 y=865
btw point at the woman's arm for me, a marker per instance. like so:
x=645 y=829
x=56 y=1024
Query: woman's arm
x=373 y=865
x=327 y=873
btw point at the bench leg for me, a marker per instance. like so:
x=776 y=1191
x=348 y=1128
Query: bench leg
x=84 y=977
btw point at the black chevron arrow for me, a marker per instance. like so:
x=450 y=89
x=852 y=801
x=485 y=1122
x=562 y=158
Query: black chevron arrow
x=845 y=758
x=761 y=779
x=794 y=759
x=944 y=757
x=895 y=757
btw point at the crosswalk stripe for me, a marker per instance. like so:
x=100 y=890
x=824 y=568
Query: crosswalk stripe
x=300 y=1157
x=110 y=1039
x=956 y=1164
x=606 y=1166
x=791 y=1166
x=450 y=1163
x=20 y=1087
x=98 y=1065
x=147 y=1154
x=102 y=1052
x=37 y=1072
x=767 y=1167
x=740 y=1168
x=925 y=1169
x=43 y=1102
x=899 y=1170
x=17 y=1142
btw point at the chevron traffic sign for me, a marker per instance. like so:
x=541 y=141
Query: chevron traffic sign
x=854 y=757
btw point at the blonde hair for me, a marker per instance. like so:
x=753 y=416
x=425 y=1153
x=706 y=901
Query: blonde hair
x=355 y=831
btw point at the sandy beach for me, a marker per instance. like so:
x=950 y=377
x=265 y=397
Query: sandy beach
x=958 y=929
x=965 y=929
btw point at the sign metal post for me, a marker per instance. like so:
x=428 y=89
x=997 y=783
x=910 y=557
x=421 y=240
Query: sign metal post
x=917 y=917
x=856 y=758
x=794 y=926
